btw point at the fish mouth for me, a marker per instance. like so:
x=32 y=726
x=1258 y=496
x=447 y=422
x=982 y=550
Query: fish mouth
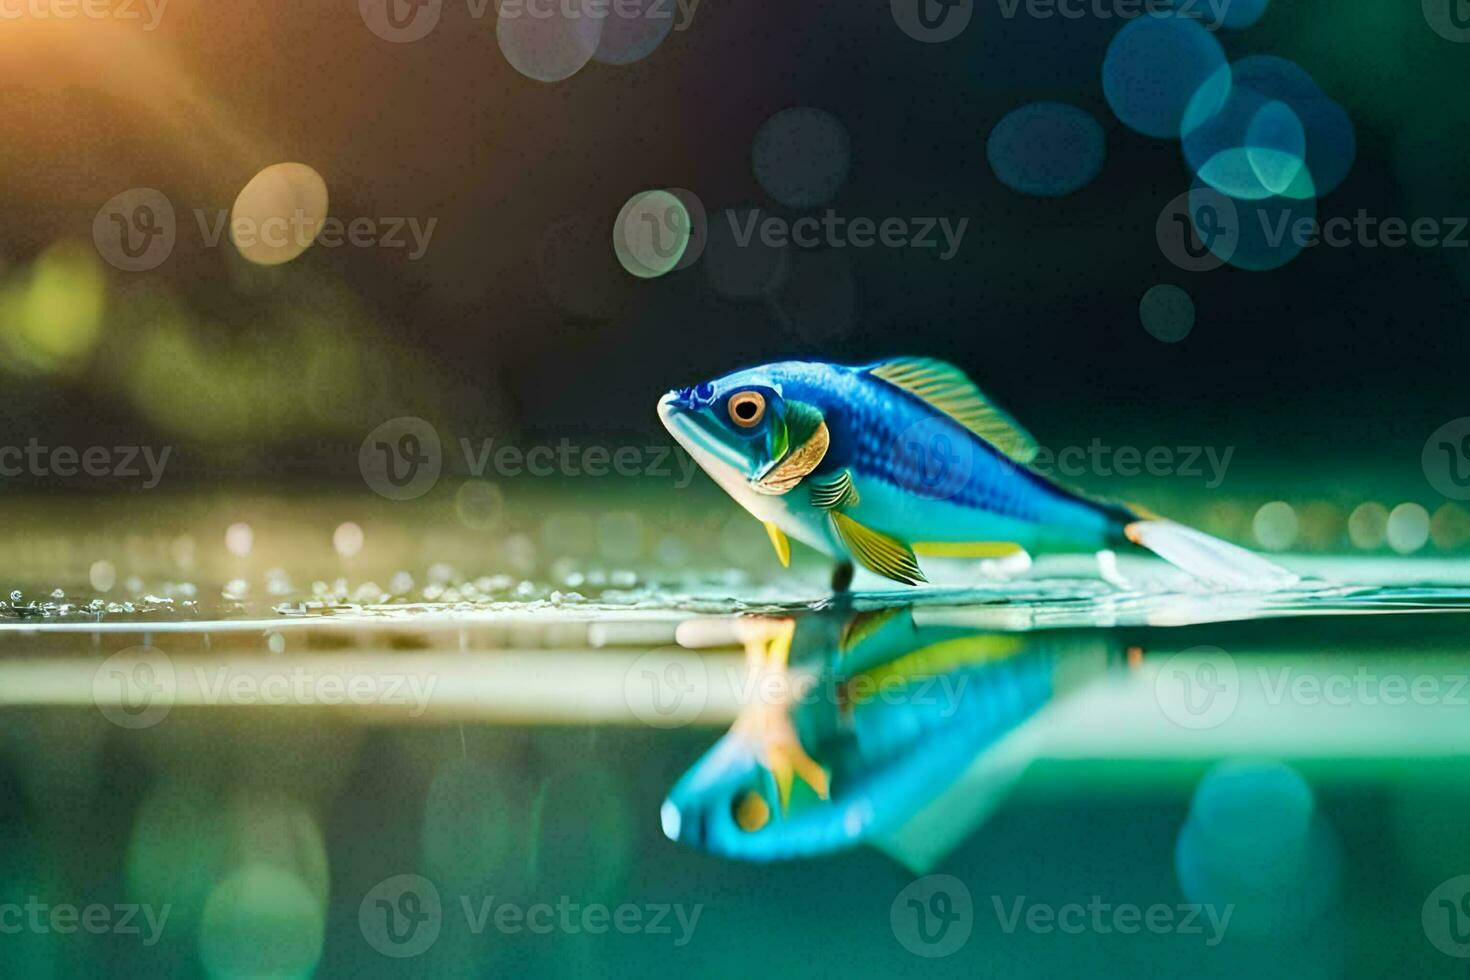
x=708 y=449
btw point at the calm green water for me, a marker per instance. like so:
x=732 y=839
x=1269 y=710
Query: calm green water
x=486 y=776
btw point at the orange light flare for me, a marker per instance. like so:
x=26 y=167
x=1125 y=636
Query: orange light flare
x=94 y=87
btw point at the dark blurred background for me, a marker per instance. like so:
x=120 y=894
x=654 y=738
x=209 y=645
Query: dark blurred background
x=519 y=318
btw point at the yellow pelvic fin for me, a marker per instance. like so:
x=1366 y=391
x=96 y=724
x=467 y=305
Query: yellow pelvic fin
x=966 y=549
x=798 y=463
x=877 y=552
x=946 y=388
x=789 y=761
x=780 y=542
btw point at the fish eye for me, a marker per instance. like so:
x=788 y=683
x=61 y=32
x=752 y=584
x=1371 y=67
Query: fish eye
x=751 y=811
x=746 y=408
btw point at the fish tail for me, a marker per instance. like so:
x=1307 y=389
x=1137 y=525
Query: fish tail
x=1218 y=563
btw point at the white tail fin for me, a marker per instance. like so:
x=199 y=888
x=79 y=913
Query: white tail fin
x=1208 y=559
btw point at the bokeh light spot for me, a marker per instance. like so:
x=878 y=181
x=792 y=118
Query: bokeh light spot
x=347 y=539
x=239 y=539
x=802 y=156
x=479 y=504
x=634 y=30
x=279 y=213
x=1046 y=149
x=261 y=921
x=553 y=43
x=1408 y=528
x=651 y=233
x=1368 y=526
x=1167 y=313
x=1275 y=526
x=1155 y=66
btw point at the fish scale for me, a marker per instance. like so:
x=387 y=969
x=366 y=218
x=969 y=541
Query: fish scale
x=876 y=428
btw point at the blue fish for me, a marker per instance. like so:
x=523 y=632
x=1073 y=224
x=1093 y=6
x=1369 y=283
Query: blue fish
x=885 y=463
x=889 y=721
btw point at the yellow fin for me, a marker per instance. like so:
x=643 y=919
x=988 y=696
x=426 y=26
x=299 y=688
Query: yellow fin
x=941 y=658
x=780 y=542
x=947 y=389
x=864 y=625
x=877 y=552
x=966 y=549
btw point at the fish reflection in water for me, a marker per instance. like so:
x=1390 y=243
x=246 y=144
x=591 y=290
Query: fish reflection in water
x=874 y=727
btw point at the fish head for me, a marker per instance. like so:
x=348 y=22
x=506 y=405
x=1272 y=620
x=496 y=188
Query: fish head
x=724 y=799
x=735 y=427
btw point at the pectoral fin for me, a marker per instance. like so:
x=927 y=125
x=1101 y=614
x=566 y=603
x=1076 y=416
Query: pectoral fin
x=834 y=492
x=781 y=543
x=877 y=552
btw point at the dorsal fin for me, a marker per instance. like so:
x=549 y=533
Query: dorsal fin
x=946 y=388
